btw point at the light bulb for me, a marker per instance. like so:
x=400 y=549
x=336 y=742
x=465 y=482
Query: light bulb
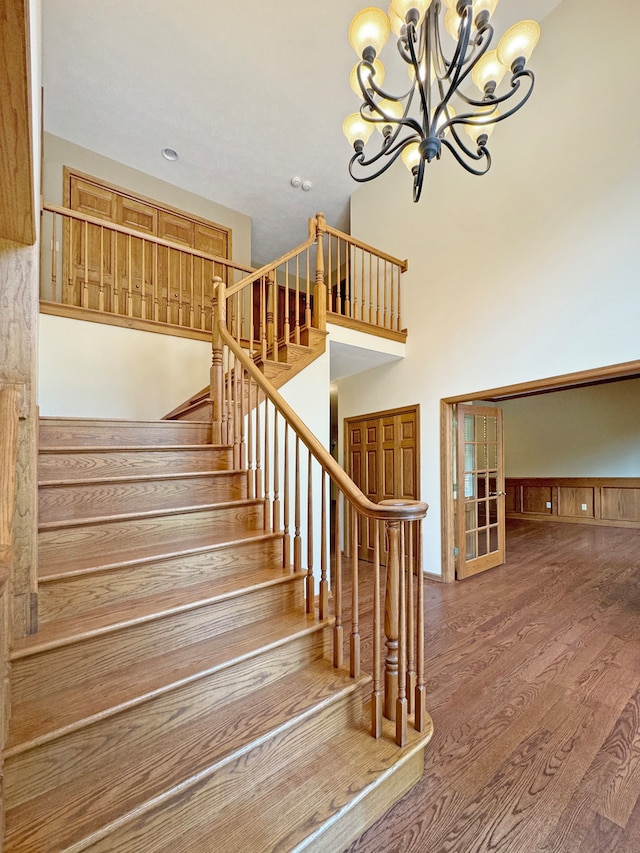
x=484 y=6
x=411 y=156
x=518 y=41
x=356 y=128
x=402 y=7
x=485 y=118
x=391 y=110
x=487 y=70
x=422 y=72
x=369 y=28
x=452 y=23
x=378 y=76
x=396 y=22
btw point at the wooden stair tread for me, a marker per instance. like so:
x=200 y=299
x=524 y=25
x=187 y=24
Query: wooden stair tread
x=162 y=762
x=285 y=803
x=195 y=545
x=50 y=716
x=108 y=619
x=119 y=549
x=142 y=478
x=302 y=796
x=150 y=513
x=131 y=448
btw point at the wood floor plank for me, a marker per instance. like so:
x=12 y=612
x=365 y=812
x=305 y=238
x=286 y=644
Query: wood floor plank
x=533 y=674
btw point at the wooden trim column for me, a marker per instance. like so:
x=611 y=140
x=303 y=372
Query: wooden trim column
x=320 y=290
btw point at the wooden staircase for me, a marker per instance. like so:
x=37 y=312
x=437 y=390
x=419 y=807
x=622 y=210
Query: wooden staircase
x=290 y=360
x=177 y=696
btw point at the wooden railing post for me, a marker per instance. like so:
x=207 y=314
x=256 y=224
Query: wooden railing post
x=271 y=335
x=320 y=290
x=216 y=390
x=391 y=622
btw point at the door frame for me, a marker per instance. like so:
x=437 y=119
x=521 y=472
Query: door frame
x=562 y=382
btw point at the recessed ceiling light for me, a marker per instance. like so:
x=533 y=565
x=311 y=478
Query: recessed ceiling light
x=169 y=154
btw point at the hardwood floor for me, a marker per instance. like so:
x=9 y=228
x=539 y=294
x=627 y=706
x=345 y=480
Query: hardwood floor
x=534 y=687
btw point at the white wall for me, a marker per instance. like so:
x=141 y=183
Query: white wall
x=98 y=371
x=532 y=270
x=583 y=432
x=60 y=152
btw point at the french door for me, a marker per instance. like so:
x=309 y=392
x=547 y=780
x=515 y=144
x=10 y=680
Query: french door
x=480 y=494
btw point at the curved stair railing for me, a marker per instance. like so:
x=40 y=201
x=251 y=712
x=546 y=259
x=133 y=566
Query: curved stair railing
x=293 y=474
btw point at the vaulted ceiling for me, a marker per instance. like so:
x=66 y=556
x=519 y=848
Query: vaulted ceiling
x=249 y=94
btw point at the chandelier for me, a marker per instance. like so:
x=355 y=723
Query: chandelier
x=441 y=100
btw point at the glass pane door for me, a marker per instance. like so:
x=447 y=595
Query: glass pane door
x=481 y=485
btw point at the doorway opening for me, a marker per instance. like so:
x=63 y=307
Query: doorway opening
x=448 y=408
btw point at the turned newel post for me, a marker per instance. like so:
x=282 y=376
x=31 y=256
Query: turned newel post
x=320 y=290
x=216 y=389
x=271 y=336
x=391 y=619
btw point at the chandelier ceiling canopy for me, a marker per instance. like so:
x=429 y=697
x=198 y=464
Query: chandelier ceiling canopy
x=451 y=87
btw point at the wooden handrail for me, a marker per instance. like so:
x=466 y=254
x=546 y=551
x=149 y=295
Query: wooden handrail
x=244 y=406
x=256 y=275
x=399 y=510
x=140 y=235
x=359 y=244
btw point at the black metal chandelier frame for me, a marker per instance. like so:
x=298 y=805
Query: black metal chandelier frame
x=421 y=48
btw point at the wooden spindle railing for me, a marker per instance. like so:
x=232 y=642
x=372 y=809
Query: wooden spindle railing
x=107 y=272
x=287 y=455
x=102 y=271
x=363 y=284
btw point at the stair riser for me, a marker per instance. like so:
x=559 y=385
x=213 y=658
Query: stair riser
x=197 y=412
x=90 y=500
x=176 y=824
x=59 y=432
x=124 y=463
x=79 y=594
x=91 y=660
x=83 y=754
x=102 y=543
x=338 y=835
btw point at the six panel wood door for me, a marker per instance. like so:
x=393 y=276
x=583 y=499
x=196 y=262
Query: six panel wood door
x=382 y=459
x=480 y=501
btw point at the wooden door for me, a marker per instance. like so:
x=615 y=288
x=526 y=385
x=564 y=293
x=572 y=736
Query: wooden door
x=480 y=501
x=382 y=459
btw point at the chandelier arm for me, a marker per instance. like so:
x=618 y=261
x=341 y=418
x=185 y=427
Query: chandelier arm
x=401 y=122
x=439 y=52
x=418 y=180
x=361 y=160
x=515 y=87
x=472 y=155
x=482 y=152
x=382 y=94
x=375 y=88
x=405 y=121
x=466 y=25
x=422 y=86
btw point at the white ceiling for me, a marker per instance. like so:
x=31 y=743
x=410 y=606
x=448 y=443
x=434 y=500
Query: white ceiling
x=249 y=93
